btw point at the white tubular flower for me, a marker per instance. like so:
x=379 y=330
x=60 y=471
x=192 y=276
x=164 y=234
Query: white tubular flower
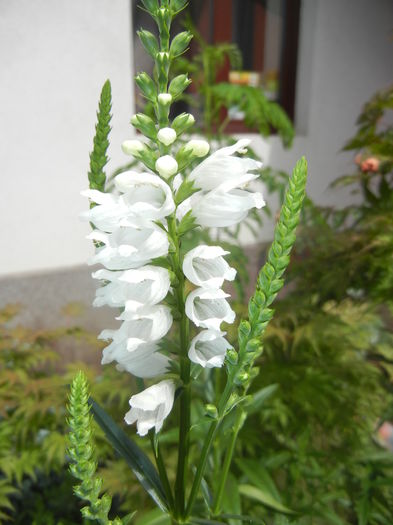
x=206 y=267
x=208 y=308
x=147 y=328
x=134 y=289
x=145 y=361
x=209 y=348
x=150 y=407
x=221 y=166
x=108 y=213
x=129 y=247
x=164 y=98
x=146 y=197
x=167 y=136
x=220 y=208
x=200 y=148
x=166 y=166
x=133 y=147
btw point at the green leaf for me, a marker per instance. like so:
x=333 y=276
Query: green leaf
x=241 y=517
x=231 y=501
x=265 y=498
x=186 y=224
x=185 y=190
x=154 y=517
x=136 y=459
x=259 y=398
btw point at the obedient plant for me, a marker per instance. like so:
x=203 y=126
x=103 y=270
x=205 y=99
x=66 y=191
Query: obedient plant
x=152 y=282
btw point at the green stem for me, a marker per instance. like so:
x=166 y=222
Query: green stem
x=227 y=462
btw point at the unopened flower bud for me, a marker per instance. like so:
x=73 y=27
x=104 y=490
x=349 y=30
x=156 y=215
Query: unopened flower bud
x=133 y=147
x=242 y=378
x=183 y=122
x=167 y=136
x=146 y=85
x=200 y=148
x=166 y=166
x=211 y=411
x=232 y=357
x=180 y=43
x=178 y=85
x=149 y=42
x=164 y=99
x=145 y=124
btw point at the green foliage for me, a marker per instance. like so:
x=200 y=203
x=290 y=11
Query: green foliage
x=98 y=157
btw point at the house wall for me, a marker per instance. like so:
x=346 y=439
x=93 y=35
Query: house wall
x=55 y=56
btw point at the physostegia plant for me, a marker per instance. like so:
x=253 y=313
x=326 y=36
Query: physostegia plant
x=146 y=275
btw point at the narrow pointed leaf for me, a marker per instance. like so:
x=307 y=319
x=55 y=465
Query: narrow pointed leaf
x=136 y=459
x=265 y=498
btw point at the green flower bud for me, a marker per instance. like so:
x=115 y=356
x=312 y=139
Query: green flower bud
x=178 y=5
x=147 y=86
x=145 y=124
x=163 y=18
x=253 y=345
x=211 y=411
x=232 y=357
x=183 y=122
x=149 y=42
x=242 y=378
x=180 y=43
x=178 y=85
x=151 y=5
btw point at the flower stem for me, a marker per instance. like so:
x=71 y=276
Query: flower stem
x=228 y=460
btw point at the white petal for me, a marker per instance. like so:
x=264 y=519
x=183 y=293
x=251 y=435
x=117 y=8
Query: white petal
x=206 y=267
x=130 y=247
x=166 y=166
x=209 y=348
x=150 y=407
x=223 y=209
x=208 y=308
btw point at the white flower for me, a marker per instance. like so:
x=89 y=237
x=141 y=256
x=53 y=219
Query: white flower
x=133 y=147
x=164 y=98
x=200 y=148
x=206 y=267
x=167 y=136
x=166 y=166
x=134 y=288
x=221 y=208
x=209 y=348
x=129 y=247
x=145 y=197
x=208 y=308
x=221 y=167
x=108 y=213
x=150 y=407
x=149 y=327
x=145 y=361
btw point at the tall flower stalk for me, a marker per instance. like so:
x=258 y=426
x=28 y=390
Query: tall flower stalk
x=138 y=231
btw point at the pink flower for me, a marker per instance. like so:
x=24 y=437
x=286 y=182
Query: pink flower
x=370 y=164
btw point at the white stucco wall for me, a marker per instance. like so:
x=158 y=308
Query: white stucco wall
x=55 y=56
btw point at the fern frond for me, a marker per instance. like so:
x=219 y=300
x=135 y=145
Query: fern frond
x=98 y=157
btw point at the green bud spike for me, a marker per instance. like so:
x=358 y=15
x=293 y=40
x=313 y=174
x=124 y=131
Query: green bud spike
x=180 y=43
x=147 y=86
x=149 y=42
x=178 y=85
x=98 y=157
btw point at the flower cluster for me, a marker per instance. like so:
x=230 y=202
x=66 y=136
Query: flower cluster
x=129 y=239
x=131 y=230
